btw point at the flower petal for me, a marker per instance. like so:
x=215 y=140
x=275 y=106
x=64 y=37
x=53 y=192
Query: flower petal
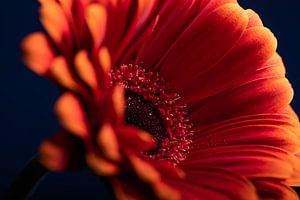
x=37 y=60
x=54 y=20
x=194 y=53
x=107 y=140
x=269 y=95
x=254 y=19
x=96 y=18
x=251 y=161
x=71 y=115
x=85 y=69
x=101 y=166
x=267 y=189
x=62 y=151
x=135 y=139
x=61 y=73
x=253 y=49
x=161 y=38
x=213 y=183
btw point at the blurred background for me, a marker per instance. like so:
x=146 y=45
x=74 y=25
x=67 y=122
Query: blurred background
x=26 y=101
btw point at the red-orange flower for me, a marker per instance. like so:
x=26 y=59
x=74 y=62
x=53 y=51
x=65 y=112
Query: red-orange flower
x=183 y=99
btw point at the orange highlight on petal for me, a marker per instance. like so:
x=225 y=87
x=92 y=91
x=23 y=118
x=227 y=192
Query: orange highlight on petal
x=105 y=59
x=71 y=115
x=96 y=19
x=37 y=53
x=100 y=166
x=108 y=142
x=144 y=170
x=163 y=191
x=51 y=156
x=61 y=73
x=86 y=69
x=118 y=100
x=54 y=19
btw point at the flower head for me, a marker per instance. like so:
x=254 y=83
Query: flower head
x=182 y=99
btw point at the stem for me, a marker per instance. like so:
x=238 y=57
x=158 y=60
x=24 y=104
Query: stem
x=23 y=185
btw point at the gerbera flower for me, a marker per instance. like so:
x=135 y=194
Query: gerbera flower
x=183 y=99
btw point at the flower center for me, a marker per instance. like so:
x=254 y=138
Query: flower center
x=145 y=115
x=153 y=107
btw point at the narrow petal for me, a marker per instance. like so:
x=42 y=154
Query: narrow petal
x=251 y=161
x=71 y=115
x=118 y=101
x=107 y=140
x=96 y=18
x=105 y=59
x=214 y=183
x=144 y=10
x=253 y=134
x=37 y=60
x=54 y=20
x=194 y=53
x=161 y=39
x=85 y=69
x=267 y=189
x=135 y=139
x=61 y=73
x=268 y=95
x=101 y=166
x=62 y=151
x=253 y=49
x=144 y=170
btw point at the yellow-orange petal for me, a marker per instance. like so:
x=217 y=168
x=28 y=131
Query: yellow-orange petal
x=86 y=69
x=37 y=53
x=254 y=19
x=96 y=18
x=118 y=101
x=101 y=166
x=165 y=192
x=105 y=59
x=61 y=73
x=67 y=6
x=145 y=170
x=54 y=20
x=108 y=142
x=51 y=156
x=71 y=115
x=62 y=151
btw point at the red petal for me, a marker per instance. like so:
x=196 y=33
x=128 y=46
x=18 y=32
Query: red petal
x=213 y=183
x=200 y=46
x=135 y=139
x=269 y=95
x=62 y=151
x=255 y=47
x=270 y=135
x=166 y=31
x=144 y=11
x=268 y=189
x=251 y=161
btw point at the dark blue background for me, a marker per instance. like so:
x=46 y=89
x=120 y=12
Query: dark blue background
x=26 y=101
